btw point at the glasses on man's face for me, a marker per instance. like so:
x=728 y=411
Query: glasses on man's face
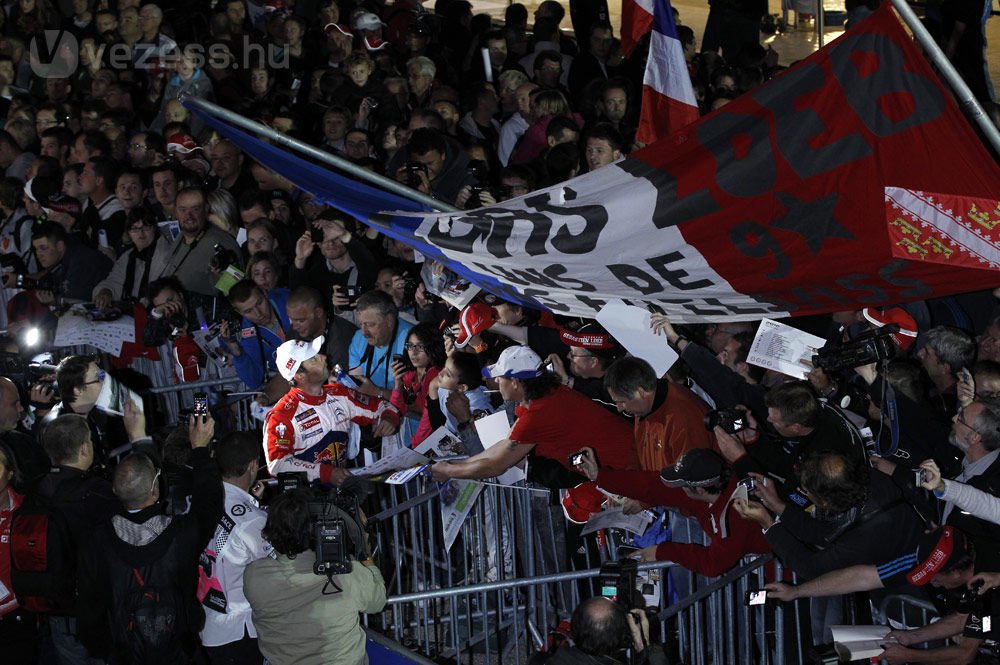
x=138 y=146
x=100 y=378
x=156 y=479
x=961 y=419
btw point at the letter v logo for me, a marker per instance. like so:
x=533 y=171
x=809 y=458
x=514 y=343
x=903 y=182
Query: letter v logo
x=54 y=54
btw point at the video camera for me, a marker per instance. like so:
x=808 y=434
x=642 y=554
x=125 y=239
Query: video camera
x=23 y=372
x=334 y=524
x=869 y=347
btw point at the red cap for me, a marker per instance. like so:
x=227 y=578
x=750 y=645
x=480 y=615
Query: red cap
x=474 y=319
x=582 y=501
x=329 y=28
x=182 y=143
x=907 y=334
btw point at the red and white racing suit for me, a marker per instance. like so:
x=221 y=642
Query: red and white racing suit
x=310 y=433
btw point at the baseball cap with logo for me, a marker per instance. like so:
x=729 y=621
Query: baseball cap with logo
x=941 y=550
x=698 y=467
x=290 y=355
x=516 y=362
x=475 y=318
x=907 y=334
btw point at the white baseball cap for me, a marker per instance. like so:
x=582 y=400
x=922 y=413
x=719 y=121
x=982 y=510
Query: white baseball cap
x=292 y=354
x=516 y=362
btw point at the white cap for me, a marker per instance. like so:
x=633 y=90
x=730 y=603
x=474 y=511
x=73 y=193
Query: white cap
x=292 y=354
x=367 y=21
x=516 y=362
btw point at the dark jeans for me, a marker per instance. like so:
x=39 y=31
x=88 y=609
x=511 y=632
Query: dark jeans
x=241 y=652
x=19 y=638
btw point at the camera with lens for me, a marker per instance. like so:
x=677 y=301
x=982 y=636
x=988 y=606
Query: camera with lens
x=27 y=374
x=222 y=258
x=869 y=347
x=618 y=581
x=43 y=283
x=730 y=420
x=411 y=174
x=967 y=600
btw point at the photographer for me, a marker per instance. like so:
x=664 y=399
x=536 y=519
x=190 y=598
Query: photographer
x=602 y=630
x=303 y=617
x=343 y=260
x=72 y=270
x=263 y=327
x=192 y=252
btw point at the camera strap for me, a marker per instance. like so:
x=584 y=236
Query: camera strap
x=864 y=518
x=190 y=247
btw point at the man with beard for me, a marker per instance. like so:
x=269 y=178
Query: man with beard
x=191 y=253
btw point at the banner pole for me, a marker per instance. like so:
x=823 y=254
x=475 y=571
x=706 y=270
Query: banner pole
x=973 y=110
x=321 y=155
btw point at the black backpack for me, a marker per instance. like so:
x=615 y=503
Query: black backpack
x=42 y=557
x=149 y=617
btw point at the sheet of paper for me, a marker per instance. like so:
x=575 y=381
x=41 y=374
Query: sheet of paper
x=448 y=286
x=784 y=349
x=630 y=326
x=615 y=518
x=857 y=642
x=440 y=444
x=405 y=476
x=74 y=329
x=404 y=458
x=457 y=499
x=493 y=429
x=114 y=396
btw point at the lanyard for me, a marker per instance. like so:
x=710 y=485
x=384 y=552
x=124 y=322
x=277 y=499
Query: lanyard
x=190 y=249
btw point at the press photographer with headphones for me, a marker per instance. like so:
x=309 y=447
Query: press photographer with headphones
x=305 y=609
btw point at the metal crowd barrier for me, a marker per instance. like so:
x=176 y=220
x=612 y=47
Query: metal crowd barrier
x=494 y=598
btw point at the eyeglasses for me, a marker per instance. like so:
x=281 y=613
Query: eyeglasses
x=414 y=347
x=100 y=378
x=156 y=478
x=141 y=146
x=960 y=418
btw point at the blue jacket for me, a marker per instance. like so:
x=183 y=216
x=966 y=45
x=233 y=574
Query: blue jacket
x=378 y=369
x=259 y=344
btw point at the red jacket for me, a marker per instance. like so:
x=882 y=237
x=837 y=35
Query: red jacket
x=731 y=536
x=8 y=603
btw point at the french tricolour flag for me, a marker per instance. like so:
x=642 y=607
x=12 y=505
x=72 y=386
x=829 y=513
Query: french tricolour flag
x=637 y=20
x=668 y=101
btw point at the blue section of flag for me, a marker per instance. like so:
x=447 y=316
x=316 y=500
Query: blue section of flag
x=663 y=19
x=357 y=199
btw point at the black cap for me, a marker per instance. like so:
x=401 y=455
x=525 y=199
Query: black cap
x=698 y=467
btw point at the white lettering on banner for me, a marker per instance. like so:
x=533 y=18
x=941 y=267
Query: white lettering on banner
x=590 y=259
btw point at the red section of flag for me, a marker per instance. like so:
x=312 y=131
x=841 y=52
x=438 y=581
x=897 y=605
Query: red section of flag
x=782 y=190
x=636 y=22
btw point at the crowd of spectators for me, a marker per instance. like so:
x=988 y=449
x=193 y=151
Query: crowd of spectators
x=116 y=194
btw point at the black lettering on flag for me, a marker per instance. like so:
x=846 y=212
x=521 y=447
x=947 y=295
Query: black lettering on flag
x=806 y=294
x=755 y=241
x=869 y=91
x=876 y=295
x=741 y=145
x=636 y=278
x=670 y=210
x=674 y=277
x=552 y=276
x=595 y=218
x=797 y=125
x=917 y=288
